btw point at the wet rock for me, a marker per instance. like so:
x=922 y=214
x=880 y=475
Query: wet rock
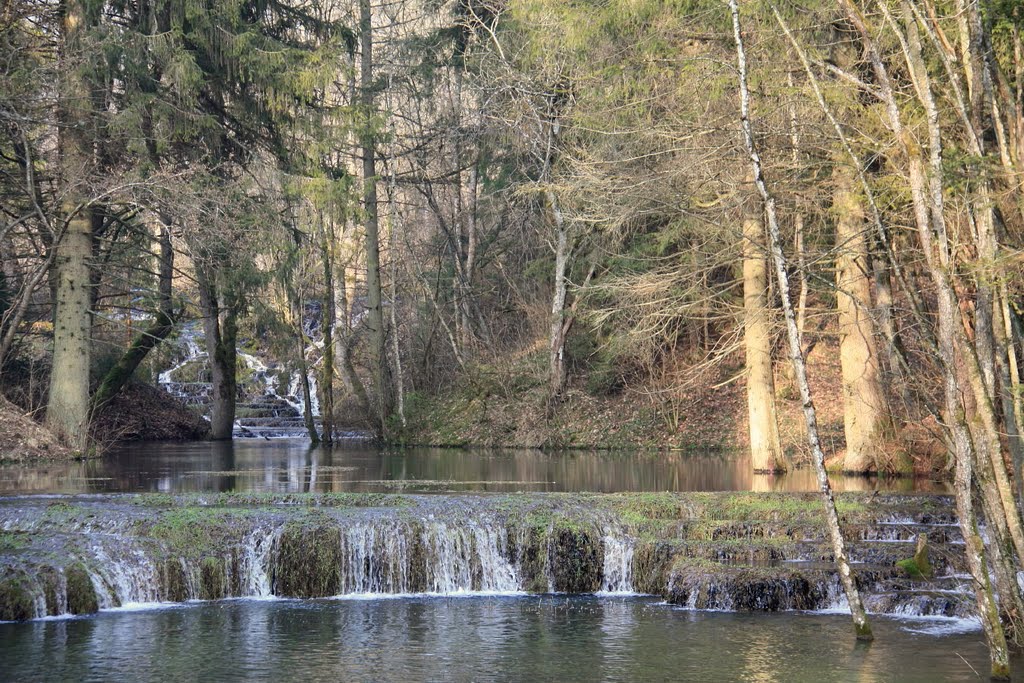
x=80 y=592
x=307 y=561
x=576 y=559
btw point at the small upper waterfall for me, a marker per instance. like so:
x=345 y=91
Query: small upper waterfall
x=264 y=408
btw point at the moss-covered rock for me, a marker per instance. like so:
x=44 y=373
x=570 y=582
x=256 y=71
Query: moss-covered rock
x=212 y=579
x=81 y=593
x=307 y=561
x=173 y=582
x=576 y=558
x=709 y=585
x=16 y=599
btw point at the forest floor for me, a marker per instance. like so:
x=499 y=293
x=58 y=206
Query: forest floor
x=23 y=439
x=692 y=410
x=139 y=413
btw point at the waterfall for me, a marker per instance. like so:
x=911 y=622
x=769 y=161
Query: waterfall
x=264 y=408
x=425 y=558
x=618 y=563
x=79 y=554
x=379 y=555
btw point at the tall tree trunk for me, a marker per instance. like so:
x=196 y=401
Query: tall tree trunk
x=152 y=336
x=301 y=342
x=329 y=322
x=798 y=219
x=563 y=247
x=765 y=445
x=344 y=338
x=219 y=324
x=556 y=347
x=308 y=421
x=977 y=368
x=865 y=408
x=375 y=311
x=67 y=412
x=891 y=355
x=396 y=350
x=860 y=620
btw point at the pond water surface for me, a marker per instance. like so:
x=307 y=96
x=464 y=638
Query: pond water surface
x=291 y=465
x=493 y=638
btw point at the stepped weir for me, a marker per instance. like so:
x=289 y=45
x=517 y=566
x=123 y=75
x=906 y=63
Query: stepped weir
x=64 y=555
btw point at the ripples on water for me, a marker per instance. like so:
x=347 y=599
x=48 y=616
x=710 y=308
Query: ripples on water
x=479 y=638
x=292 y=466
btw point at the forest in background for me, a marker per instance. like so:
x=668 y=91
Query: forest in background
x=538 y=203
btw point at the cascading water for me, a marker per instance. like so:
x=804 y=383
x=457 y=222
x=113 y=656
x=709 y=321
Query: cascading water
x=79 y=554
x=262 y=409
x=430 y=557
x=618 y=563
x=370 y=555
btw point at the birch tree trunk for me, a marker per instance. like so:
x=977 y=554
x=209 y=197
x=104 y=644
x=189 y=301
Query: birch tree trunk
x=862 y=627
x=946 y=337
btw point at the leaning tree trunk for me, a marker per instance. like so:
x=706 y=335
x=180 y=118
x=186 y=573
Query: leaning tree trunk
x=765 y=445
x=162 y=325
x=67 y=412
x=865 y=408
x=860 y=619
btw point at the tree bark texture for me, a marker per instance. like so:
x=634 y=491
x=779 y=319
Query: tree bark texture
x=765 y=444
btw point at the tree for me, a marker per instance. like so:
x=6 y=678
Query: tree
x=67 y=412
x=860 y=620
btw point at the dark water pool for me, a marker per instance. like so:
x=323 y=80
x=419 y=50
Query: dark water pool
x=480 y=639
x=292 y=466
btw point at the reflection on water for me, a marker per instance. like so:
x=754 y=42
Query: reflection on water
x=293 y=466
x=481 y=638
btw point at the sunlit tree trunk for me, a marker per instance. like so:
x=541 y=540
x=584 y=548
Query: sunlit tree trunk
x=865 y=408
x=765 y=445
x=344 y=339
